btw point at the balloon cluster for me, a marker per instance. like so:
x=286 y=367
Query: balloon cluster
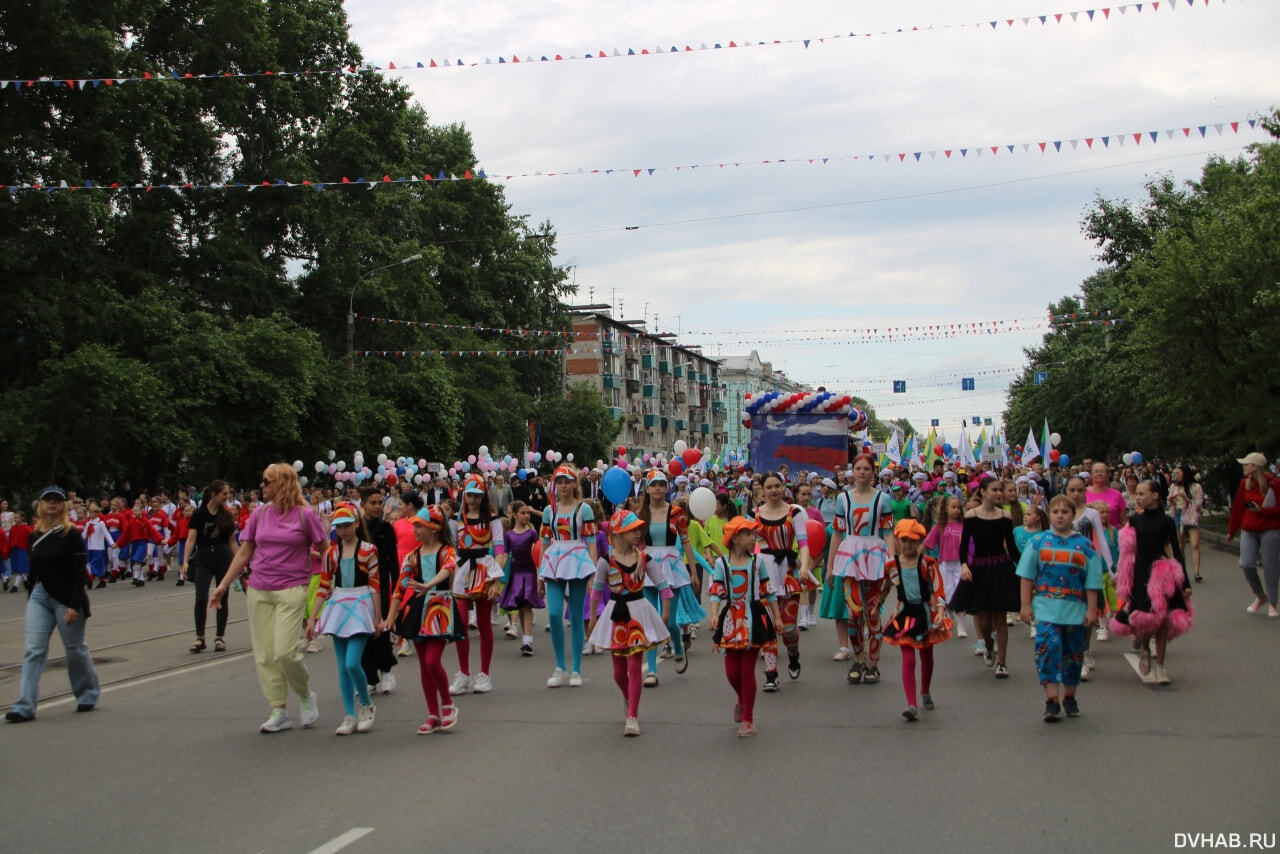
x=799 y=403
x=1132 y=458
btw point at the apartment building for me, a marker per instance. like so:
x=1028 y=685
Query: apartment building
x=663 y=391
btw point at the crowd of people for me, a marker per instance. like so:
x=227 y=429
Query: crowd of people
x=389 y=571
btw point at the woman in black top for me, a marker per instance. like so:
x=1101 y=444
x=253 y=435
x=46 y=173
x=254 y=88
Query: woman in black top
x=988 y=587
x=57 y=598
x=211 y=544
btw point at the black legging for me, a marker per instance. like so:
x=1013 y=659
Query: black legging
x=210 y=564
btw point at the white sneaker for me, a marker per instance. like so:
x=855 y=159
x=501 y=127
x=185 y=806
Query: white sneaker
x=1162 y=675
x=481 y=683
x=405 y=649
x=557 y=678
x=278 y=721
x=961 y=631
x=313 y=645
x=347 y=726
x=813 y=619
x=308 y=710
x=588 y=649
x=461 y=684
x=364 y=722
x=1085 y=671
x=575 y=679
x=387 y=683
x=1102 y=634
x=1088 y=660
x=631 y=728
x=842 y=654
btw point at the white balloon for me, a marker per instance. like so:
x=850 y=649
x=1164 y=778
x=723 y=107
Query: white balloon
x=342 y=465
x=1127 y=459
x=702 y=503
x=484 y=449
x=302 y=481
x=297 y=465
x=417 y=478
x=569 y=457
x=320 y=466
x=332 y=454
x=382 y=458
x=386 y=441
x=1055 y=438
x=680 y=446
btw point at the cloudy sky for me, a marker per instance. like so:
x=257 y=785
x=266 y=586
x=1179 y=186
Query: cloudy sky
x=775 y=257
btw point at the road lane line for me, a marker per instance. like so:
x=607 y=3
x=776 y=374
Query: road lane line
x=143 y=680
x=340 y=842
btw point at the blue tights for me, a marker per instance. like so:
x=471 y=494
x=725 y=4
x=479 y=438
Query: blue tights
x=577 y=595
x=652 y=595
x=351 y=679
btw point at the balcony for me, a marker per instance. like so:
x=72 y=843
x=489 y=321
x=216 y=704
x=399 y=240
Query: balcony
x=611 y=381
x=650 y=390
x=664 y=367
x=681 y=397
x=646 y=360
x=681 y=424
x=678 y=370
x=706 y=428
x=633 y=386
x=703 y=378
x=650 y=420
x=717 y=406
x=615 y=412
x=632 y=356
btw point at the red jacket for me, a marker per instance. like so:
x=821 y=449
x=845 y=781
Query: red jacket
x=134 y=529
x=1265 y=518
x=4 y=543
x=20 y=536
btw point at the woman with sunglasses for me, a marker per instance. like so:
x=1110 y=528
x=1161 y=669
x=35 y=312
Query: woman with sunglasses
x=281 y=538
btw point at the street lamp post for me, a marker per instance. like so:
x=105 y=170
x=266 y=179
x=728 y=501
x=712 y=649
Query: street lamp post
x=351 y=316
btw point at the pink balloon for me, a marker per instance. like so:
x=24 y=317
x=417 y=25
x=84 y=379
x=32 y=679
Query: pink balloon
x=645 y=457
x=528 y=456
x=332 y=468
x=472 y=459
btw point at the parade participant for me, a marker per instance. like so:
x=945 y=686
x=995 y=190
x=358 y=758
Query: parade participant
x=280 y=538
x=568 y=561
x=157 y=549
x=96 y=539
x=406 y=541
x=1061 y=582
x=482 y=558
x=521 y=590
x=181 y=519
x=1152 y=581
x=137 y=535
x=1255 y=515
x=945 y=537
x=19 y=557
x=58 y=598
x=857 y=555
x=1091 y=522
x=210 y=547
x=1192 y=505
x=784 y=554
x=667 y=544
x=1100 y=489
x=988 y=586
x=808 y=615
x=633 y=625
x=352 y=613
x=744 y=612
x=379 y=655
x=921 y=621
x=429 y=614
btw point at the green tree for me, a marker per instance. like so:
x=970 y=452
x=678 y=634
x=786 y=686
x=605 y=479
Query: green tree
x=579 y=422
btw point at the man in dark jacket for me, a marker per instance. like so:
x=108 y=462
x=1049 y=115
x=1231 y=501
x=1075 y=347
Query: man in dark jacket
x=379 y=657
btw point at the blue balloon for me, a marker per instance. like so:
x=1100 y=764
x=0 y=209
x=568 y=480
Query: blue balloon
x=1137 y=457
x=400 y=470
x=465 y=466
x=1064 y=460
x=616 y=484
x=946 y=449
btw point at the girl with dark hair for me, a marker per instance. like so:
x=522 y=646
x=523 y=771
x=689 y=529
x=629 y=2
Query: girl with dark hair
x=209 y=548
x=989 y=587
x=482 y=558
x=856 y=558
x=1186 y=496
x=784 y=555
x=568 y=536
x=667 y=545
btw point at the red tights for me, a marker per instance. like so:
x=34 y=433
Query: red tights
x=435 y=682
x=626 y=673
x=909 y=671
x=484 y=624
x=740 y=667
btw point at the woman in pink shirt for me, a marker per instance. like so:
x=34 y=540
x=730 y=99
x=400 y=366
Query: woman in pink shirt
x=281 y=538
x=1100 y=489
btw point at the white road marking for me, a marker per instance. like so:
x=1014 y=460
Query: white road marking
x=133 y=683
x=340 y=842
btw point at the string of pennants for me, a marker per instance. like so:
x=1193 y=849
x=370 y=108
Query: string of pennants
x=369 y=354
x=1090 y=143
x=529 y=333
x=81 y=84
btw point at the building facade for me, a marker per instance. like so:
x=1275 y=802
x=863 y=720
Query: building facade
x=743 y=376
x=663 y=392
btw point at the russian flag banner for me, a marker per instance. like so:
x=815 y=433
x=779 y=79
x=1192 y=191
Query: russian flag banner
x=805 y=442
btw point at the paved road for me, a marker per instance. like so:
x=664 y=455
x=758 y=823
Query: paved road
x=172 y=761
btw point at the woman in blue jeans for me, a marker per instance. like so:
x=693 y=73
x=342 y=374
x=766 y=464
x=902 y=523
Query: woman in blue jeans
x=58 y=599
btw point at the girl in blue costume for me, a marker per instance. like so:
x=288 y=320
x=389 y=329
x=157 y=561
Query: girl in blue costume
x=349 y=584
x=666 y=537
x=568 y=561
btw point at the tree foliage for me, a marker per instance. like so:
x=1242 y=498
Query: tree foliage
x=580 y=421
x=202 y=333
x=1192 y=274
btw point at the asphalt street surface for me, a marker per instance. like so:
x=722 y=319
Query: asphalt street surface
x=172 y=760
